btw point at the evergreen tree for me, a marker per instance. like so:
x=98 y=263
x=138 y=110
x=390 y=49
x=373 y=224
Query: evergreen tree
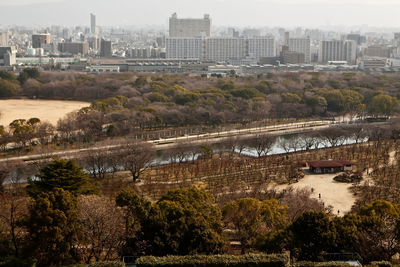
x=182 y=222
x=53 y=227
x=61 y=174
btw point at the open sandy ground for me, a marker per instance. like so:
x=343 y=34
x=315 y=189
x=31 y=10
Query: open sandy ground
x=45 y=110
x=332 y=193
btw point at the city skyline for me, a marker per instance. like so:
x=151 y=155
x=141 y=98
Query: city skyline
x=251 y=13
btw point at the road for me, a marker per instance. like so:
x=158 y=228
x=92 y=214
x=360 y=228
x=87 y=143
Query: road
x=164 y=143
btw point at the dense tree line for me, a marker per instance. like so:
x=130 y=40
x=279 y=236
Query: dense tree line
x=125 y=102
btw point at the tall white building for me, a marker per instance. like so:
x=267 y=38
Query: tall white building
x=220 y=48
x=301 y=45
x=261 y=47
x=189 y=27
x=337 y=51
x=184 y=48
x=224 y=48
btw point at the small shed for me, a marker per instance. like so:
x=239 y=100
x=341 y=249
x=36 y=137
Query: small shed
x=329 y=166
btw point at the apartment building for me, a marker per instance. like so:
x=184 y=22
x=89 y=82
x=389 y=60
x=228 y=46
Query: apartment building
x=301 y=45
x=189 y=27
x=337 y=50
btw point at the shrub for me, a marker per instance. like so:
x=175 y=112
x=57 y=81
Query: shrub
x=17 y=262
x=348 y=177
x=321 y=264
x=380 y=264
x=108 y=264
x=100 y=264
x=249 y=260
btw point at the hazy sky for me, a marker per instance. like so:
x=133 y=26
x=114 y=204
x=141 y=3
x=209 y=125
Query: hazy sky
x=223 y=12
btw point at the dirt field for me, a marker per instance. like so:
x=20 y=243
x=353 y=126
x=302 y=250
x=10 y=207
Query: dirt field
x=332 y=193
x=45 y=110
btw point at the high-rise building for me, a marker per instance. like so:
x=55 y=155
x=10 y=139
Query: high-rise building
x=189 y=27
x=224 y=48
x=261 y=47
x=184 y=48
x=220 y=48
x=105 y=48
x=301 y=45
x=3 y=38
x=39 y=39
x=337 y=51
x=93 y=23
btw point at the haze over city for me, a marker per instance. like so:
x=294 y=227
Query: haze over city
x=255 y=13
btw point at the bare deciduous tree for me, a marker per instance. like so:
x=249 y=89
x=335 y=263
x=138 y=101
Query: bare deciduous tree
x=97 y=161
x=103 y=225
x=333 y=136
x=263 y=144
x=45 y=132
x=136 y=157
x=14 y=201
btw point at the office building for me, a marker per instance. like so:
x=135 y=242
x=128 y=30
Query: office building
x=8 y=55
x=232 y=32
x=377 y=51
x=105 y=48
x=40 y=39
x=189 y=27
x=93 y=24
x=351 y=51
x=94 y=43
x=359 y=39
x=3 y=38
x=291 y=57
x=366 y=64
x=147 y=52
x=338 y=51
x=301 y=45
x=66 y=33
x=160 y=41
x=74 y=48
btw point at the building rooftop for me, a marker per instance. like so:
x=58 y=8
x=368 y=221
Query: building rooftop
x=329 y=163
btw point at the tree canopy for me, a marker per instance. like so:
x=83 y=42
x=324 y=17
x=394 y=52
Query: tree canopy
x=53 y=227
x=64 y=174
x=182 y=222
